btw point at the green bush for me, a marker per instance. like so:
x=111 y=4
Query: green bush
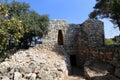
x=109 y=42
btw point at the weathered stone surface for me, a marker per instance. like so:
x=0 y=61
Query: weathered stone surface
x=117 y=72
x=96 y=69
x=17 y=76
x=45 y=61
x=6 y=78
x=86 y=41
x=33 y=76
x=35 y=64
x=93 y=32
x=116 y=63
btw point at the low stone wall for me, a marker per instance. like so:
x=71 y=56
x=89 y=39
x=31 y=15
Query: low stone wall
x=102 y=53
x=108 y=55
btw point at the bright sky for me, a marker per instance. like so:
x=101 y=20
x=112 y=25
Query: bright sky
x=74 y=11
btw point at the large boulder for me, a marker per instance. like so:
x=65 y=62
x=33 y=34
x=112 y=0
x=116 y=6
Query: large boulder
x=34 y=64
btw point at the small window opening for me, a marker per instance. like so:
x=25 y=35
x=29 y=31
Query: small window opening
x=60 y=37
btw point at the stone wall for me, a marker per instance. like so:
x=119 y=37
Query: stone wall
x=71 y=39
x=91 y=43
x=100 y=62
x=92 y=57
x=103 y=53
x=69 y=32
x=85 y=40
x=52 y=37
x=92 y=32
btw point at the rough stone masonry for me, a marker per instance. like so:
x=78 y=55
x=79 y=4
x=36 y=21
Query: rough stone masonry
x=81 y=43
x=64 y=45
x=73 y=37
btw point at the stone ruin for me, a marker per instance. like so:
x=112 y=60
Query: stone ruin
x=64 y=47
x=81 y=44
x=67 y=37
x=63 y=34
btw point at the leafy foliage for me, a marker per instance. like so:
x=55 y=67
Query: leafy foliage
x=116 y=39
x=10 y=29
x=35 y=25
x=18 y=26
x=107 y=9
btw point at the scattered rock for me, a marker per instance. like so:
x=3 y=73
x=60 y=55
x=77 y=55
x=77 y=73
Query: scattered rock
x=96 y=69
x=17 y=76
x=5 y=78
x=34 y=64
x=33 y=76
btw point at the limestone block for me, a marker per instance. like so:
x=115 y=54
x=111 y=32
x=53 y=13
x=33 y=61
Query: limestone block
x=5 y=78
x=17 y=76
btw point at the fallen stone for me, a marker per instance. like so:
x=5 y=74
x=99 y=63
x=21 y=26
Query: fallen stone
x=33 y=76
x=96 y=69
x=17 y=76
x=34 y=64
x=6 y=78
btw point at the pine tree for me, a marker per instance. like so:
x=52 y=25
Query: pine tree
x=107 y=9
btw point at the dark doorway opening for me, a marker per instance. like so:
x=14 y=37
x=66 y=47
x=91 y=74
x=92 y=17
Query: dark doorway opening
x=60 y=37
x=73 y=60
x=75 y=69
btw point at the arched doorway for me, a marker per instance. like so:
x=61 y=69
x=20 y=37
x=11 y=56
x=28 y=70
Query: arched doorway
x=60 y=37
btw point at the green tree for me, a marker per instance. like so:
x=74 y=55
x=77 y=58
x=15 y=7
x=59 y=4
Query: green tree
x=116 y=39
x=11 y=29
x=34 y=24
x=107 y=9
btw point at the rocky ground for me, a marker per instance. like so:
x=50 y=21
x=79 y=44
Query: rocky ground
x=34 y=64
x=97 y=70
x=42 y=64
